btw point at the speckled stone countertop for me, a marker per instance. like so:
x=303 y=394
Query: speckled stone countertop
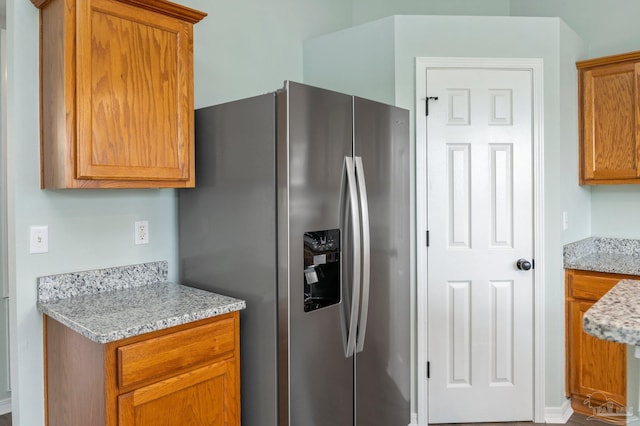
x=111 y=304
x=616 y=316
x=613 y=255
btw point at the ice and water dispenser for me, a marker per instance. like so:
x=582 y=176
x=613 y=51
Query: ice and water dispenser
x=321 y=269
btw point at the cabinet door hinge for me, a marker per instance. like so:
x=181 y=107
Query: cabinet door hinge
x=428 y=370
x=427 y=238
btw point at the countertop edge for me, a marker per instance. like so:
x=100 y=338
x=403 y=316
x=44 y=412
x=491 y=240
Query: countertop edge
x=156 y=323
x=614 y=317
x=601 y=268
x=603 y=254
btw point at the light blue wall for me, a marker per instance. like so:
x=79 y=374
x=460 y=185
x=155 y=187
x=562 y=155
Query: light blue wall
x=357 y=63
x=369 y=10
x=615 y=210
x=247 y=47
x=243 y=48
x=608 y=27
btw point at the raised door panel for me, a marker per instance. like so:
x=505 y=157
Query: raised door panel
x=598 y=367
x=206 y=396
x=134 y=94
x=609 y=133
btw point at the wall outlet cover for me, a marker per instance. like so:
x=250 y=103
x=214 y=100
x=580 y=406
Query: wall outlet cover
x=141 y=232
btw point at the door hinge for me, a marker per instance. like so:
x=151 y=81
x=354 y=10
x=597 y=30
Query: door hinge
x=426 y=103
x=428 y=370
x=427 y=238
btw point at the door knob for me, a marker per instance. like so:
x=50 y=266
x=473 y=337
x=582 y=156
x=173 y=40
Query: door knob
x=523 y=264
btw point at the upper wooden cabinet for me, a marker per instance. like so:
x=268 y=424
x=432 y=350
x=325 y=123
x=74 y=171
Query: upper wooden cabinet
x=116 y=82
x=609 y=116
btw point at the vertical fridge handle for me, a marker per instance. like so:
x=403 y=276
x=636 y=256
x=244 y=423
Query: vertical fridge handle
x=351 y=187
x=366 y=253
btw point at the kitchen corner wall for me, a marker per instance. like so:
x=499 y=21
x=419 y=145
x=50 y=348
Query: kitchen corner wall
x=243 y=48
x=364 y=60
x=607 y=28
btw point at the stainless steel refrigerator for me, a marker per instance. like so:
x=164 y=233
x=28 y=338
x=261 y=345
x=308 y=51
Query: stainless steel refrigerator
x=301 y=208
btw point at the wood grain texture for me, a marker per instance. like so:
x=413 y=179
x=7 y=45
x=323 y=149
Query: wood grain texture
x=202 y=396
x=74 y=372
x=194 y=380
x=608 y=60
x=592 y=285
x=117 y=95
x=154 y=358
x=596 y=369
x=160 y=6
x=609 y=111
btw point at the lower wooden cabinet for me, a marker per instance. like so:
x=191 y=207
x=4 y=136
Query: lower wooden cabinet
x=596 y=369
x=185 y=375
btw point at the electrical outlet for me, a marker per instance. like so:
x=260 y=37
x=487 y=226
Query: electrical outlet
x=38 y=239
x=141 y=232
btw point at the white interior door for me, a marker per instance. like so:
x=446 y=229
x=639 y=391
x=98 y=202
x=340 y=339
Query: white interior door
x=480 y=222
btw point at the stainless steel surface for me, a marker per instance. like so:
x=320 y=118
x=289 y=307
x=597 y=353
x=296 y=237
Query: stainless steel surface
x=320 y=380
x=227 y=234
x=353 y=287
x=382 y=369
x=283 y=282
x=366 y=253
x=268 y=170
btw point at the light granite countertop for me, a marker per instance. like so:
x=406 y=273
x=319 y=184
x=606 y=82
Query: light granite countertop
x=616 y=316
x=613 y=255
x=111 y=304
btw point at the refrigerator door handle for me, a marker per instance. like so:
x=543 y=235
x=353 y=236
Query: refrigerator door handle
x=349 y=335
x=366 y=254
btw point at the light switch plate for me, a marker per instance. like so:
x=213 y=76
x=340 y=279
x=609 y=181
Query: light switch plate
x=38 y=239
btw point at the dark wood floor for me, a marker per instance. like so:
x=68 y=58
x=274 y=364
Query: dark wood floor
x=5 y=420
x=575 y=420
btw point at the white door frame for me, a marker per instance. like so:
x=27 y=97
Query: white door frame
x=535 y=65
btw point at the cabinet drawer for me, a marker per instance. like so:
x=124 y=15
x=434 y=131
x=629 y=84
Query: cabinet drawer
x=172 y=353
x=591 y=287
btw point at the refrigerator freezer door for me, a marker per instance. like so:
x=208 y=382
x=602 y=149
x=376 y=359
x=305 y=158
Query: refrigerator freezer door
x=227 y=237
x=383 y=367
x=317 y=387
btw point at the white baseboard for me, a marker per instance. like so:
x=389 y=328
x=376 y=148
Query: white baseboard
x=558 y=415
x=414 y=419
x=5 y=406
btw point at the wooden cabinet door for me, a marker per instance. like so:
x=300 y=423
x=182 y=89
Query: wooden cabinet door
x=204 y=397
x=598 y=367
x=609 y=117
x=134 y=94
